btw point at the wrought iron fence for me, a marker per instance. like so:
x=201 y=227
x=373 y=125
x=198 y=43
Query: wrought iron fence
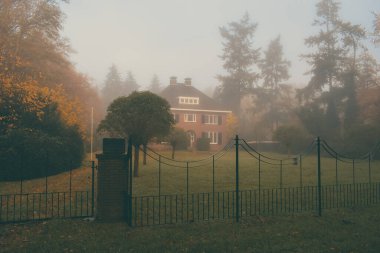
x=239 y=181
x=235 y=183
x=46 y=198
x=171 y=209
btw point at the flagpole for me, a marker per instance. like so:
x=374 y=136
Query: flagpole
x=92 y=130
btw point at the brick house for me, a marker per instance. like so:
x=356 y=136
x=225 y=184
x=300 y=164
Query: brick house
x=196 y=113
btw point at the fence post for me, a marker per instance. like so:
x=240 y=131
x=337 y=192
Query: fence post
x=213 y=186
x=237 y=176
x=159 y=176
x=92 y=187
x=21 y=176
x=259 y=183
x=353 y=171
x=187 y=190
x=159 y=190
x=129 y=173
x=336 y=170
x=46 y=181
x=21 y=170
x=319 y=176
x=280 y=174
x=369 y=168
x=70 y=185
x=300 y=163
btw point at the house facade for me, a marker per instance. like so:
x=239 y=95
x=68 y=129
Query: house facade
x=196 y=113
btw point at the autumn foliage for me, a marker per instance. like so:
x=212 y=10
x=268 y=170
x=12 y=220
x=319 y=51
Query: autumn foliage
x=44 y=101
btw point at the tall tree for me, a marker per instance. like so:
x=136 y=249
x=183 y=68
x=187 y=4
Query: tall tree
x=271 y=108
x=129 y=85
x=376 y=27
x=32 y=49
x=351 y=109
x=239 y=58
x=352 y=37
x=333 y=65
x=274 y=69
x=155 y=85
x=326 y=60
x=369 y=106
x=112 y=86
x=368 y=71
x=140 y=117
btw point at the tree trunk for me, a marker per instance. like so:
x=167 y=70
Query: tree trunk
x=173 y=151
x=144 y=148
x=136 y=161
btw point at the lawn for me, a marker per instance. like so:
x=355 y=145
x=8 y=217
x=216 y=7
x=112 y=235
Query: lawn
x=353 y=229
x=194 y=180
x=207 y=170
x=343 y=230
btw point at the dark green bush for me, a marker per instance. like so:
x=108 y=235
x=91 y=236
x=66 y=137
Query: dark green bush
x=292 y=139
x=203 y=144
x=178 y=139
x=31 y=153
x=361 y=139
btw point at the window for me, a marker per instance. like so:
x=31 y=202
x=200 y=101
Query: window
x=190 y=118
x=189 y=100
x=176 y=117
x=210 y=119
x=213 y=136
x=191 y=137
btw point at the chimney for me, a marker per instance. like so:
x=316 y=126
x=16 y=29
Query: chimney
x=173 y=80
x=188 y=81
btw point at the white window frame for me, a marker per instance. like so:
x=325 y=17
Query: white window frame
x=192 y=137
x=211 y=119
x=188 y=119
x=174 y=117
x=213 y=136
x=188 y=100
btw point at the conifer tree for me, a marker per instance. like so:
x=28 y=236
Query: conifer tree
x=239 y=58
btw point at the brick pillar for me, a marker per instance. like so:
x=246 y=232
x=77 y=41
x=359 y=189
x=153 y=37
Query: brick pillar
x=112 y=181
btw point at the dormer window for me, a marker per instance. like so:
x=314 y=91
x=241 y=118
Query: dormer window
x=189 y=100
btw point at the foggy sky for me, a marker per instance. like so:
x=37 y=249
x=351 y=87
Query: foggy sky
x=181 y=37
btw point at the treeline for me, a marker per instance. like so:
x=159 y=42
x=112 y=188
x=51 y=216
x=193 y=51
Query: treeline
x=340 y=103
x=116 y=86
x=45 y=103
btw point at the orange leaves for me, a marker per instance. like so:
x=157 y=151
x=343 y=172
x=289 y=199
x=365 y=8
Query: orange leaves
x=70 y=110
x=232 y=124
x=33 y=62
x=16 y=99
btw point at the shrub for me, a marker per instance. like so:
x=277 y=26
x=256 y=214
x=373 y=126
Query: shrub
x=203 y=144
x=31 y=153
x=293 y=139
x=359 y=140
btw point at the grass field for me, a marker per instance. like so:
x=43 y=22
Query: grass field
x=275 y=171
x=340 y=230
x=345 y=230
x=201 y=173
x=204 y=169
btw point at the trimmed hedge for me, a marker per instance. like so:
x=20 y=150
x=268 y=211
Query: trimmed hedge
x=31 y=153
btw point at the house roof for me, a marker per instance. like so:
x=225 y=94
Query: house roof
x=173 y=91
